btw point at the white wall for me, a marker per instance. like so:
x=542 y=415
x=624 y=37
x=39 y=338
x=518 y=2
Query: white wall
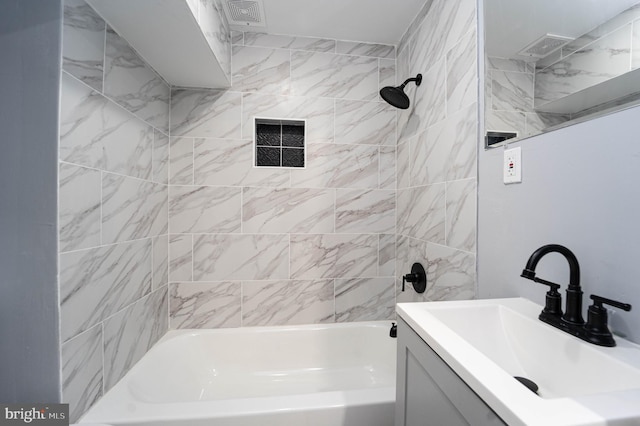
x=579 y=189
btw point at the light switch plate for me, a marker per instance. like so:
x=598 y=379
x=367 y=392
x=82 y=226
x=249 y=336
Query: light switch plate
x=512 y=166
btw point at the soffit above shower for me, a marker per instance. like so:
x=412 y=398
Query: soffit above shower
x=167 y=35
x=370 y=21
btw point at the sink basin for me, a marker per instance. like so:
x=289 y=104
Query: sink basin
x=488 y=342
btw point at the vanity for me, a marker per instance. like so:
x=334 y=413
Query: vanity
x=457 y=361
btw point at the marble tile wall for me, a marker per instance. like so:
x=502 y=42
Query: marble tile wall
x=437 y=151
x=262 y=246
x=509 y=98
x=113 y=207
x=607 y=51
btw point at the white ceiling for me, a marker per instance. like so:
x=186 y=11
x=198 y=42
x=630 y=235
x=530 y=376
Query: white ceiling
x=510 y=25
x=373 y=21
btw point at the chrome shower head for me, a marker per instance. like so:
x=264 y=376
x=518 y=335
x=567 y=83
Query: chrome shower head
x=395 y=96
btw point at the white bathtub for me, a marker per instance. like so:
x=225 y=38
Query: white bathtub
x=330 y=375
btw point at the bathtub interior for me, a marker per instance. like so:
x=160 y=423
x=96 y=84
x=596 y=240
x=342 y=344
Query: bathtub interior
x=205 y=365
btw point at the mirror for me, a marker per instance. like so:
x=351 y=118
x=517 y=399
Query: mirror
x=550 y=63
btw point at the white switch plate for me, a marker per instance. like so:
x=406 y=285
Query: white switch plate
x=512 y=166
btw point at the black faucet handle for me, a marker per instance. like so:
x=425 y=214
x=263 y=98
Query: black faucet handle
x=417 y=277
x=597 y=329
x=598 y=301
x=553 y=287
x=553 y=299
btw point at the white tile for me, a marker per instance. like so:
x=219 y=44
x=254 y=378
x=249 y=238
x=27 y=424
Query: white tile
x=205 y=113
x=96 y=283
x=333 y=256
x=335 y=76
x=365 y=211
x=79 y=207
x=130 y=333
x=204 y=209
x=287 y=302
x=287 y=210
x=205 y=305
x=240 y=257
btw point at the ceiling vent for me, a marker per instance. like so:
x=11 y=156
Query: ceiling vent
x=545 y=46
x=244 y=13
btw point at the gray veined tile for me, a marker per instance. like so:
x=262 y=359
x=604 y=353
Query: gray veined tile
x=462 y=75
x=318 y=113
x=501 y=64
x=216 y=31
x=461 y=214
x=160 y=263
x=180 y=257
x=403 y=165
x=132 y=209
x=130 y=333
x=601 y=60
x=461 y=136
x=204 y=209
x=429 y=154
x=289 y=42
x=505 y=121
x=258 y=69
x=386 y=73
x=365 y=211
x=511 y=91
x=205 y=305
x=451 y=274
x=133 y=84
x=95 y=132
x=83 y=43
x=366 y=49
x=333 y=256
x=287 y=210
x=160 y=157
x=287 y=302
x=205 y=113
x=415 y=24
x=96 y=283
x=536 y=122
x=386 y=255
x=387 y=172
x=428 y=101
x=408 y=251
x=338 y=166
x=421 y=212
x=334 y=76
x=240 y=257
x=369 y=123
x=230 y=162
x=79 y=207
x=365 y=299
x=445 y=24
x=602 y=30
x=82 y=371
x=237 y=38
x=181 y=161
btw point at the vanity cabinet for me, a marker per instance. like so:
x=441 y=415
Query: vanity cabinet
x=428 y=391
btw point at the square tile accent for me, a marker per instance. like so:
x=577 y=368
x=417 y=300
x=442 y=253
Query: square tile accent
x=279 y=143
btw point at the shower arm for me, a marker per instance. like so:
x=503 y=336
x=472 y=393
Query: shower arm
x=417 y=79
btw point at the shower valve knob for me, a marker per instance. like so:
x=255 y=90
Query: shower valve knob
x=417 y=277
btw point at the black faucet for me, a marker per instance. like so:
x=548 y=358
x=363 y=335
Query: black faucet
x=595 y=330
